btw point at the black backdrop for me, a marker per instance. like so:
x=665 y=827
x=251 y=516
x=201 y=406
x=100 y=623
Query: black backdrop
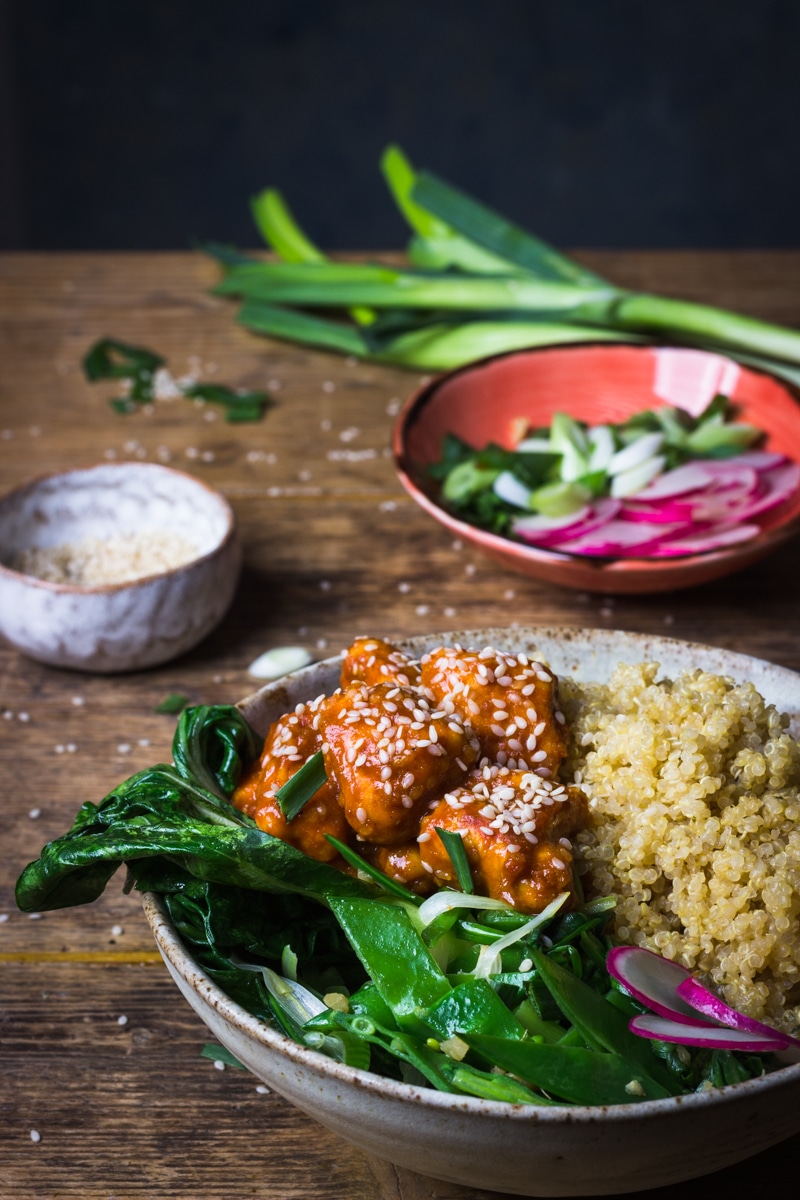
x=605 y=123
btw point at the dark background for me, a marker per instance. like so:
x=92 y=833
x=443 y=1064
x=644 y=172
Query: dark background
x=596 y=123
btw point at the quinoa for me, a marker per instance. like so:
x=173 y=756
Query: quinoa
x=694 y=796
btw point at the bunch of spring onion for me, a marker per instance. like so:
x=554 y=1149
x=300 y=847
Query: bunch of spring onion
x=477 y=285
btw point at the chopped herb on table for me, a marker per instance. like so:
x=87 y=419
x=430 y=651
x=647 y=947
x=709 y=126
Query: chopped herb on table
x=112 y=359
x=460 y=992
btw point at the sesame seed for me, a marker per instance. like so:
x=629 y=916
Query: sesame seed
x=123 y=1020
x=35 y=1135
x=361 y=815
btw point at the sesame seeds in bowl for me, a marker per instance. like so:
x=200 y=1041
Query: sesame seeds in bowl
x=114 y=567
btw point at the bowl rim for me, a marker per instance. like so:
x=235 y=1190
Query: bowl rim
x=176 y=954
x=494 y=543
x=223 y=542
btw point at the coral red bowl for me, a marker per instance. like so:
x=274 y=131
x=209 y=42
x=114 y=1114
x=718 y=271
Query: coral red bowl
x=484 y=402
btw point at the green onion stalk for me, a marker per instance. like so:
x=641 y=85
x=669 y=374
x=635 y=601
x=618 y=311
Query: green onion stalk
x=476 y=285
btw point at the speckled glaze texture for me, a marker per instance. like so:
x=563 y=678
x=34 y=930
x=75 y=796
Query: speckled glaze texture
x=126 y=626
x=479 y=1143
x=481 y=403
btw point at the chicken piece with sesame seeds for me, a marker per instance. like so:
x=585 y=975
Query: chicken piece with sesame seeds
x=515 y=828
x=371 y=660
x=509 y=701
x=391 y=753
x=291 y=741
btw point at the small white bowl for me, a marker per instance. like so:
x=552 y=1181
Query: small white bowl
x=125 y=626
x=519 y=1149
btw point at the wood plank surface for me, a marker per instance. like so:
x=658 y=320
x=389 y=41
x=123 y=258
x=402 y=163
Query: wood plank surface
x=333 y=548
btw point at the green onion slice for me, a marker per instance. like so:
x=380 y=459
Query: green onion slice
x=303 y=785
x=458 y=857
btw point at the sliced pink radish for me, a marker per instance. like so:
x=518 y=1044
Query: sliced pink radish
x=616 y=538
x=700 y=999
x=548 y=531
x=687 y=478
x=654 y=981
x=716 y=538
x=714 y=1037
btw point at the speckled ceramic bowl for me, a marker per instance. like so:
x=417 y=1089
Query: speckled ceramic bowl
x=116 y=626
x=484 y=402
x=479 y=1143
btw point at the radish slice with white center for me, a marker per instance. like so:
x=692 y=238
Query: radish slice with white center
x=701 y=1000
x=713 y=1037
x=617 y=538
x=688 y=478
x=781 y=484
x=549 y=531
x=713 y=539
x=654 y=981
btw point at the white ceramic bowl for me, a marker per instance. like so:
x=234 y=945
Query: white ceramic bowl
x=485 y=1144
x=116 y=626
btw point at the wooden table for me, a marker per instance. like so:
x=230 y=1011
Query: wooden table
x=101 y=1057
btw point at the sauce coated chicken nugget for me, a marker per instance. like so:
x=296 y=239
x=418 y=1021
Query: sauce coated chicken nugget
x=515 y=827
x=510 y=701
x=290 y=742
x=371 y=660
x=391 y=752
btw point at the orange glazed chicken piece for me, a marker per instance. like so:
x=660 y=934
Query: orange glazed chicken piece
x=290 y=742
x=371 y=660
x=515 y=827
x=391 y=753
x=510 y=702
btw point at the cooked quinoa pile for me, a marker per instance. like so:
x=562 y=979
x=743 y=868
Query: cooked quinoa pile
x=694 y=792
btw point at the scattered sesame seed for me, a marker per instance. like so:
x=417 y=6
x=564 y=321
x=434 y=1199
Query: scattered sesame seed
x=404 y=587
x=3 y=918
x=262 y=1090
x=219 y=1065
x=124 y=748
x=23 y=716
x=123 y=1020
x=78 y=701
x=35 y=1135
x=117 y=930
x=34 y=813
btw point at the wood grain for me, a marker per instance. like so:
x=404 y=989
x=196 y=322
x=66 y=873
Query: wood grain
x=333 y=548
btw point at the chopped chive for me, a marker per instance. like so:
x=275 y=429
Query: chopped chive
x=304 y=784
x=239 y=406
x=173 y=703
x=361 y=865
x=111 y=359
x=458 y=857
